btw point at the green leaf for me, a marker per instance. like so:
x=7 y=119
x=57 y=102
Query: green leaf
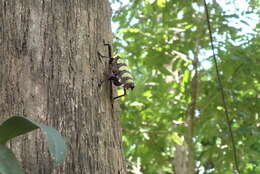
x=8 y=163
x=18 y=125
x=186 y=76
x=14 y=127
x=56 y=144
x=161 y=3
x=176 y=138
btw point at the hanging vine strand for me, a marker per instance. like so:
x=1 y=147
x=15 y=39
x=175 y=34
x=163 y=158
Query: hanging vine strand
x=222 y=92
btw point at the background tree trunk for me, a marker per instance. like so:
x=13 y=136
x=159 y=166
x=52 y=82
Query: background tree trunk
x=49 y=71
x=184 y=160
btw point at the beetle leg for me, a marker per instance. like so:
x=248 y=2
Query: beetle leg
x=101 y=55
x=121 y=95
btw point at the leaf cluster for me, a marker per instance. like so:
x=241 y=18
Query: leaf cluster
x=160 y=40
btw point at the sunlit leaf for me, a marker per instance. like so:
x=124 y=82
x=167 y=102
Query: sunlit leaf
x=161 y=3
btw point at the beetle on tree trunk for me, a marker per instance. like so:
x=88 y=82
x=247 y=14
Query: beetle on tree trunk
x=117 y=74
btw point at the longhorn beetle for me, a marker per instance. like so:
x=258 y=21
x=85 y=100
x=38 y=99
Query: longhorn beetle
x=117 y=75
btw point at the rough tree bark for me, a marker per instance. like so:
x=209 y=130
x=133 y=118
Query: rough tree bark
x=49 y=71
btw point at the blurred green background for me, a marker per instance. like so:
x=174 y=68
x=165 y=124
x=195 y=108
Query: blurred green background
x=173 y=121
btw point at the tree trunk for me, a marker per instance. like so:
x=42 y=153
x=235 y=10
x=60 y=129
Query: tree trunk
x=184 y=161
x=181 y=159
x=50 y=71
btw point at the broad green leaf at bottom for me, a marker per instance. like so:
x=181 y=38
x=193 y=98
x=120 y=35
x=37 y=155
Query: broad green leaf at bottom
x=8 y=163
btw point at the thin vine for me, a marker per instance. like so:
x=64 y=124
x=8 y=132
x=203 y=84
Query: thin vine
x=222 y=92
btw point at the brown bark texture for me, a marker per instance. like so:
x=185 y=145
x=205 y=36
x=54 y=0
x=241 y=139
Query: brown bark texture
x=50 y=71
x=181 y=159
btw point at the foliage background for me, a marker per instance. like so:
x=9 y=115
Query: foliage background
x=165 y=42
